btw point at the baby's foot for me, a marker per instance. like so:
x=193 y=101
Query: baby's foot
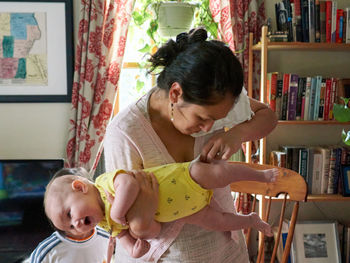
x=270 y=175
x=260 y=225
x=141 y=247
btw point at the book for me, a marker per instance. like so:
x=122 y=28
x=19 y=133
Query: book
x=343 y=90
x=300 y=98
x=317 y=97
x=325 y=152
x=322 y=21
x=272 y=89
x=303 y=162
x=333 y=97
x=279 y=89
x=312 y=99
x=298 y=23
x=287 y=5
x=281 y=17
x=317 y=22
x=344 y=25
x=311 y=21
x=334 y=166
x=292 y=156
x=278 y=158
x=327 y=99
x=285 y=95
x=304 y=7
x=316 y=172
x=307 y=98
x=334 y=21
x=322 y=94
x=339 y=26
x=328 y=21
x=292 y=97
x=347 y=31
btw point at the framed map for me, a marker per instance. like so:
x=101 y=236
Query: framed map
x=36 y=51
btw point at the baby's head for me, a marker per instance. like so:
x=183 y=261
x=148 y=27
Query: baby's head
x=72 y=203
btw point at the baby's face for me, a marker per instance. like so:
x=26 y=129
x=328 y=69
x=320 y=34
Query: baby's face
x=74 y=211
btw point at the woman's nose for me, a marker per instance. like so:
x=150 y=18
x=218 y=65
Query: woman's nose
x=206 y=126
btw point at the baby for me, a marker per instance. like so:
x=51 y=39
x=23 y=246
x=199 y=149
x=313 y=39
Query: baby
x=75 y=205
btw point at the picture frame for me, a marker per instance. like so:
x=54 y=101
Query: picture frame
x=37 y=51
x=345 y=175
x=316 y=242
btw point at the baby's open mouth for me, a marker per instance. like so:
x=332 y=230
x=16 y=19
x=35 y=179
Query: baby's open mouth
x=87 y=221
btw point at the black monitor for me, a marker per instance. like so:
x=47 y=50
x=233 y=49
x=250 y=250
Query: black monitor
x=22 y=183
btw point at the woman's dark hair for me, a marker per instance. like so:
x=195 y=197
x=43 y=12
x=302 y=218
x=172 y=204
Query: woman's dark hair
x=206 y=70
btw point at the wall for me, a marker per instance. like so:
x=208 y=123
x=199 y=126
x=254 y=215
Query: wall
x=35 y=130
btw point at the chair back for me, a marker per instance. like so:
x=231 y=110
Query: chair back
x=293 y=188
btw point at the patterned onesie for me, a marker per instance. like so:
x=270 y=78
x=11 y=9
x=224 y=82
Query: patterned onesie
x=179 y=194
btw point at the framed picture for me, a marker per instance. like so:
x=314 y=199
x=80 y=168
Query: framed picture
x=316 y=242
x=345 y=173
x=36 y=51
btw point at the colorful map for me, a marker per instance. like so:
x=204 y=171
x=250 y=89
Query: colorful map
x=23 y=52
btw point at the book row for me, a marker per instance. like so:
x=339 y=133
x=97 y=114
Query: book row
x=304 y=98
x=312 y=21
x=320 y=166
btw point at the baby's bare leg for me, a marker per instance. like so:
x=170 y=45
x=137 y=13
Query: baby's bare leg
x=212 y=219
x=221 y=173
x=135 y=247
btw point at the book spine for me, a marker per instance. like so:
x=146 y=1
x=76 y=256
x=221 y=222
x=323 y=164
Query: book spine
x=325 y=170
x=304 y=5
x=317 y=97
x=328 y=21
x=316 y=173
x=344 y=26
x=292 y=97
x=312 y=98
x=332 y=171
x=299 y=99
x=311 y=21
x=303 y=161
x=307 y=98
x=327 y=99
x=317 y=22
x=273 y=90
x=285 y=96
x=279 y=95
x=298 y=24
x=322 y=95
x=334 y=21
x=347 y=35
x=323 y=21
x=339 y=26
x=333 y=97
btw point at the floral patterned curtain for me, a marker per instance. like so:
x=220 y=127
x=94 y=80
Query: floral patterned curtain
x=100 y=46
x=237 y=18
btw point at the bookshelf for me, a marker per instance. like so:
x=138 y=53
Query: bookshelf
x=328 y=59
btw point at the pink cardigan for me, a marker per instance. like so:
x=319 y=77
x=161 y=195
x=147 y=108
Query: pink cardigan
x=131 y=143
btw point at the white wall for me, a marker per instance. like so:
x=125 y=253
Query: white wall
x=35 y=130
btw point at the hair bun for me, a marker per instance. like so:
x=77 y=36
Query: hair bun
x=197 y=35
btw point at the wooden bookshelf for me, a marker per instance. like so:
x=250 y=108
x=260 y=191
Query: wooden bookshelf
x=280 y=122
x=303 y=46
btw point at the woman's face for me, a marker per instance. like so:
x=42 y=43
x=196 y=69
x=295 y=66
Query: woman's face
x=193 y=118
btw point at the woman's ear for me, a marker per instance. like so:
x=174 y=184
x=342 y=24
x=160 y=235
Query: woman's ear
x=175 y=92
x=79 y=186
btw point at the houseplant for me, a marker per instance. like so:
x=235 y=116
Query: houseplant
x=342 y=114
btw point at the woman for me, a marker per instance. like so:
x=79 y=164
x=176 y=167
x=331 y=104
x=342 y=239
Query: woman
x=198 y=94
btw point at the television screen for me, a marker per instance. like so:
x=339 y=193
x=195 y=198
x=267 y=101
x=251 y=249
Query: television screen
x=22 y=183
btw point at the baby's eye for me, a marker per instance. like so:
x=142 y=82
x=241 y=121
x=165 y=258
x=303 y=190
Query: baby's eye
x=69 y=215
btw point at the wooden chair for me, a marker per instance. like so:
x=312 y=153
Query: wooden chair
x=293 y=188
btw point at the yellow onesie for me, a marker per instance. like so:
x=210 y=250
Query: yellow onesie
x=179 y=194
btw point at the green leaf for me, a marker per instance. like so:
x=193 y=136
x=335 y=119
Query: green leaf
x=145 y=49
x=341 y=112
x=139 y=85
x=346 y=137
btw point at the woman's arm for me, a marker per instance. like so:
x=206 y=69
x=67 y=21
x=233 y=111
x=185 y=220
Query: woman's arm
x=223 y=145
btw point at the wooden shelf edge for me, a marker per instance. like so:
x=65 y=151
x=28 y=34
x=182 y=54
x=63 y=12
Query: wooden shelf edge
x=300 y=122
x=327 y=197
x=303 y=46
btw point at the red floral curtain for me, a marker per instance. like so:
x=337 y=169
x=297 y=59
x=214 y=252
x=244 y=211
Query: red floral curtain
x=236 y=19
x=100 y=46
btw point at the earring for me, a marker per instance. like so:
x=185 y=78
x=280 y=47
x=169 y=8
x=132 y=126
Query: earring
x=172 y=112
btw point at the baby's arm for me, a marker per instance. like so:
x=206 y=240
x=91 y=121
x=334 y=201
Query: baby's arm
x=126 y=190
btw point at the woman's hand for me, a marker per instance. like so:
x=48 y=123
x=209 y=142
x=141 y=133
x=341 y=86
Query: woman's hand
x=220 y=147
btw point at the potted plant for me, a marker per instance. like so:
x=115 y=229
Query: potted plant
x=342 y=114
x=166 y=19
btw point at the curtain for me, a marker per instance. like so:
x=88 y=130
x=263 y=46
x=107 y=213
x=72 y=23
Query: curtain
x=99 y=51
x=236 y=19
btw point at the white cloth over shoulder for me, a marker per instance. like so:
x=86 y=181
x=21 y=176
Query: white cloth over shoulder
x=239 y=113
x=59 y=249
